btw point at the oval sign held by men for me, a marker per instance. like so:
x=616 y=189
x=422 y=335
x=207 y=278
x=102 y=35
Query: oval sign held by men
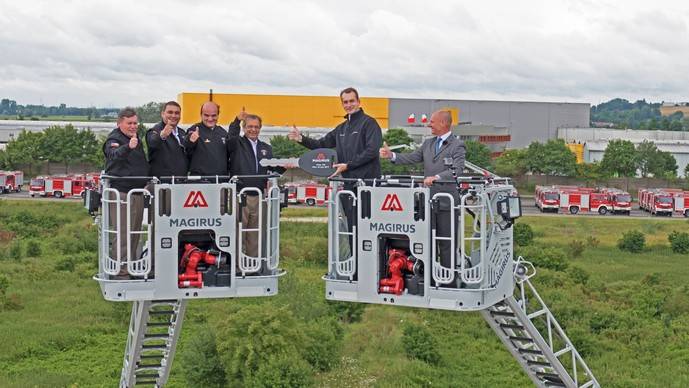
x=319 y=162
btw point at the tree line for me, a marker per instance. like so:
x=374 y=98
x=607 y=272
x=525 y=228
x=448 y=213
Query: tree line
x=620 y=113
x=57 y=144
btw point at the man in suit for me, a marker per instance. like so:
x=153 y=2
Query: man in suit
x=166 y=151
x=245 y=154
x=432 y=153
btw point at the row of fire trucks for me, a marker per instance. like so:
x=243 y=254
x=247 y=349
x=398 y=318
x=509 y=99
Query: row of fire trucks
x=63 y=186
x=11 y=181
x=664 y=201
x=575 y=199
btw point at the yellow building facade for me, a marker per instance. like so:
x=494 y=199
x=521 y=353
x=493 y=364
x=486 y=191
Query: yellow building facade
x=667 y=110
x=281 y=110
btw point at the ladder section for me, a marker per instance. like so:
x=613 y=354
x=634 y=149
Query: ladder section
x=534 y=337
x=154 y=329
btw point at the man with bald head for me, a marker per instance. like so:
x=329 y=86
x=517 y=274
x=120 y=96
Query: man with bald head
x=207 y=142
x=432 y=153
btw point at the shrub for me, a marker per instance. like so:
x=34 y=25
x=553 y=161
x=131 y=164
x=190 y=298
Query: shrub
x=419 y=344
x=578 y=275
x=16 y=250
x=592 y=241
x=33 y=248
x=523 y=234
x=545 y=257
x=4 y=285
x=576 y=248
x=65 y=264
x=322 y=344
x=632 y=241
x=251 y=335
x=348 y=312
x=200 y=360
x=679 y=241
x=282 y=371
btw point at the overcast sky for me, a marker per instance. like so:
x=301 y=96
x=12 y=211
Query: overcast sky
x=116 y=53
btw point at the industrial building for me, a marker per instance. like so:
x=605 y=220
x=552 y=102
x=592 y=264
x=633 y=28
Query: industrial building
x=498 y=124
x=523 y=122
x=592 y=142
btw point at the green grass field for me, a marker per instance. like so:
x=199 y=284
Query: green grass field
x=629 y=318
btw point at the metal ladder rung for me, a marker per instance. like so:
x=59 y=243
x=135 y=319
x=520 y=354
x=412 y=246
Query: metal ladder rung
x=160 y=312
x=151 y=356
x=539 y=363
x=522 y=339
x=157 y=347
x=147 y=382
x=511 y=326
x=145 y=375
x=502 y=313
x=563 y=351
x=537 y=313
x=530 y=351
x=156 y=336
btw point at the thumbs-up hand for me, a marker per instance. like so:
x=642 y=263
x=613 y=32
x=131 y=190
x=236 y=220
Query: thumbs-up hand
x=385 y=152
x=133 y=142
x=294 y=134
x=242 y=115
x=194 y=136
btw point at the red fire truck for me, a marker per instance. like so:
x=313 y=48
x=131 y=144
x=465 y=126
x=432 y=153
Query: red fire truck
x=547 y=198
x=60 y=186
x=309 y=193
x=11 y=181
x=656 y=201
x=620 y=200
x=583 y=200
x=681 y=203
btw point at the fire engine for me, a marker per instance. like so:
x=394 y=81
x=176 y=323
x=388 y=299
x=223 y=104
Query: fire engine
x=547 y=198
x=681 y=202
x=189 y=247
x=620 y=200
x=62 y=186
x=309 y=193
x=656 y=201
x=390 y=255
x=11 y=181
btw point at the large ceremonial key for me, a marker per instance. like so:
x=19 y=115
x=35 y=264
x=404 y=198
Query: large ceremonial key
x=318 y=162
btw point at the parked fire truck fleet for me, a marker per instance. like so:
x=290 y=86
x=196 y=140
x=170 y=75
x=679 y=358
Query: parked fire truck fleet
x=11 y=181
x=574 y=200
x=664 y=201
x=63 y=186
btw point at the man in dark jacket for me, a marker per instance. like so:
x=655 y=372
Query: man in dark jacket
x=357 y=140
x=206 y=142
x=166 y=151
x=125 y=157
x=246 y=153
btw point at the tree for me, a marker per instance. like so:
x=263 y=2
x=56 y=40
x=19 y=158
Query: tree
x=619 y=158
x=534 y=158
x=511 y=163
x=393 y=137
x=478 y=154
x=27 y=149
x=553 y=158
x=590 y=171
x=667 y=168
x=149 y=112
x=285 y=148
x=646 y=157
x=686 y=171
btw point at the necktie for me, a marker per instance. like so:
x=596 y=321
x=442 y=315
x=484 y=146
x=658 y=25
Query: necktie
x=438 y=143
